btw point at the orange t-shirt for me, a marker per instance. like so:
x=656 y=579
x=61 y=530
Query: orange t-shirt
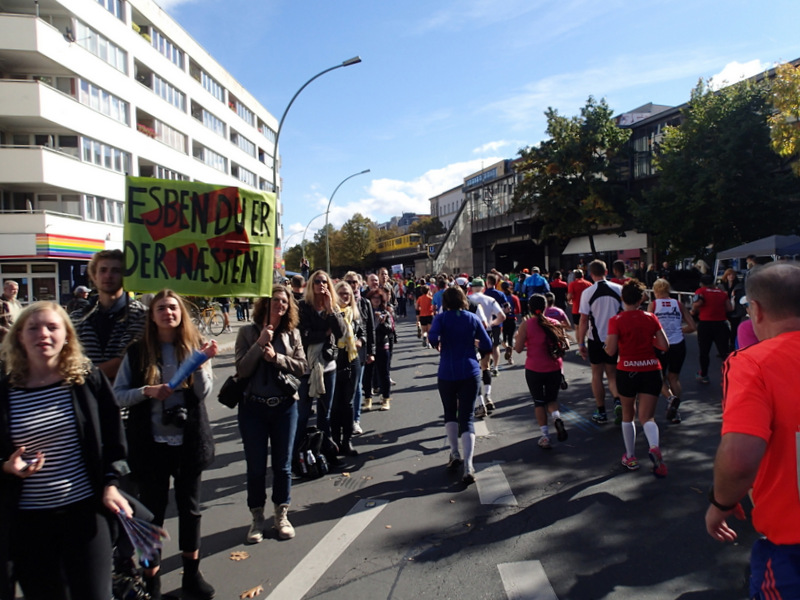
x=759 y=400
x=425 y=306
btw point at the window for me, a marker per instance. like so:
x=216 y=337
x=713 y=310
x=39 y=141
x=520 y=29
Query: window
x=213 y=123
x=105 y=156
x=171 y=137
x=243 y=143
x=100 y=46
x=244 y=112
x=167 y=48
x=104 y=102
x=243 y=175
x=266 y=131
x=211 y=158
x=169 y=93
x=114 y=7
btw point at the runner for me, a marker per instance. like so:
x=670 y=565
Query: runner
x=495 y=317
x=634 y=334
x=425 y=312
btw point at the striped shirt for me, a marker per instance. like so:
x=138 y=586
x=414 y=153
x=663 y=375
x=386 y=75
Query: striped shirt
x=43 y=420
x=105 y=334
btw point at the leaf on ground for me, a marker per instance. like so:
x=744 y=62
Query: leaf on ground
x=452 y=501
x=240 y=555
x=256 y=591
x=345 y=474
x=388 y=527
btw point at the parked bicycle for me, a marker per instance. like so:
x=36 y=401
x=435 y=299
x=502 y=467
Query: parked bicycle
x=208 y=319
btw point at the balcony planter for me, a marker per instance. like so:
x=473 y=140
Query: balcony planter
x=146 y=130
x=136 y=28
x=147 y=37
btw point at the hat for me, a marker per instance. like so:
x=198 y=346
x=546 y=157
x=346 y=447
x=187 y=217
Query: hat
x=504 y=285
x=536 y=269
x=477 y=282
x=525 y=271
x=461 y=281
x=82 y=289
x=743 y=301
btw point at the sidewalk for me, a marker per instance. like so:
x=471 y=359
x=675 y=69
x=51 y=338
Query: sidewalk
x=227 y=341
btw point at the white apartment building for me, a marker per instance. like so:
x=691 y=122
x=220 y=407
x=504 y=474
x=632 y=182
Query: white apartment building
x=92 y=90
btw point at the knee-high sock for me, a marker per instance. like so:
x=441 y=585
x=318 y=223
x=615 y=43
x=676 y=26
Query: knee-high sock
x=629 y=437
x=651 y=432
x=451 y=428
x=468 y=444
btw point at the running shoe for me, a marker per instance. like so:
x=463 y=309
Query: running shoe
x=630 y=462
x=701 y=378
x=617 y=412
x=508 y=355
x=562 y=431
x=600 y=417
x=480 y=411
x=495 y=372
x=677 y=418
x=469 y=475
x=489 y=405
x=424 y=342
x=357 y=427
x=544 y=443
x=454 y=462
x=419 y=330
x=659 y=468
x=673 y=402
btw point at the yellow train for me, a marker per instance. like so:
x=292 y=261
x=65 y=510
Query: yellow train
x=403 y=242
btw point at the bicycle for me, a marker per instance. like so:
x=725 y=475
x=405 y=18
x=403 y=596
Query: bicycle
x=209 y=320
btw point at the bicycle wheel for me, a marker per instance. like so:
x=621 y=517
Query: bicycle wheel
x=216 y=324
x=200 y=324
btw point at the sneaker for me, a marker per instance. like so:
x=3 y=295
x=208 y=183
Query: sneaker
x=677 y=418
x=469 y=475
x=495 y=372
x=508 y=355
x=701 y=378
x=617 y=413
x=659 y=468
x=454 y=462
x=386 y=404
x=562 y=431
x=673 y=402
x=425 y=342
x=480 y=411
x=419 y=330
x=367 y=405
x=357 y=428
x=544 y=442
x=600 y=417
x=630 y=462
x=489 y=405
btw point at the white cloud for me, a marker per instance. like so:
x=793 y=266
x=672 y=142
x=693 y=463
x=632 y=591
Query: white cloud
x=495 y=146
x=168 y=5
x=735 y=71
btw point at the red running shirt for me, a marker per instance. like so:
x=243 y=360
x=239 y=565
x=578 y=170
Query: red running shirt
x=636 y=330
x=713 y=305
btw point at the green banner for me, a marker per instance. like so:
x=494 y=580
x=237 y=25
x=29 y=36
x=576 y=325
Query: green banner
x=198 y=239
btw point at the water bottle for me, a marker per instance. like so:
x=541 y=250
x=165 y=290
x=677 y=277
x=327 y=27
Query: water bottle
x=310 y=458
x=303 y=464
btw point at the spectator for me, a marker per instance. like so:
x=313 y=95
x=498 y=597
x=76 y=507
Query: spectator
x=711 y=305
x=9 y=306
x=80 y=299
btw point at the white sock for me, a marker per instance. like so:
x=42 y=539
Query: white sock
x=651 y=433
x=487 y=389
x=545 y=430
x=556 y=414
x=451 y=428
x=629 y=437
x=480 y=400
x=468 y=444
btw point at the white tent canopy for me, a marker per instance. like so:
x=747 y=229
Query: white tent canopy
x=607 y=242
x=773 y=245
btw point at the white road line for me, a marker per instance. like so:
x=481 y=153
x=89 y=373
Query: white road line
x=308 y=571
x=526 y=581
x=492 y=485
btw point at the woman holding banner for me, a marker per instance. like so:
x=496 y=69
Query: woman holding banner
x=169 y=435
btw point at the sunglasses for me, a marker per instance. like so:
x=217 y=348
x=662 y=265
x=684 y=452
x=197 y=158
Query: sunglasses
x=321 y=281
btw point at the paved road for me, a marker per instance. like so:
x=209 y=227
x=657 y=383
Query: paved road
x=570 y=523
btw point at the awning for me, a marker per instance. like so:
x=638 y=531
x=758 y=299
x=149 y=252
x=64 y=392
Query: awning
x=607 y=242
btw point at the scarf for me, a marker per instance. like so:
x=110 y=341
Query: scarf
x=348 y=340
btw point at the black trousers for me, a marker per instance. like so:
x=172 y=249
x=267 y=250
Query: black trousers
x=708 y=333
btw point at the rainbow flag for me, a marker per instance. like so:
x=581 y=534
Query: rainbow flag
x=63 y=246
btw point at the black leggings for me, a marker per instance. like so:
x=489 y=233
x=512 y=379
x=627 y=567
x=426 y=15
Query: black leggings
x=63 y=553
x=712 y=332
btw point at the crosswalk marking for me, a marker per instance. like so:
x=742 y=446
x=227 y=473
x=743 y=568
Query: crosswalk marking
x=492 y=485
x=526 y=581
x=308 y=571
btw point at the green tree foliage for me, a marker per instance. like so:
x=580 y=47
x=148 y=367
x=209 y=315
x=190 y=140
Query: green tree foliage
x=292 y=258
x=356 y=240
x=571 y=181
x=427 y=227
x=785 y=121
x=720 y=183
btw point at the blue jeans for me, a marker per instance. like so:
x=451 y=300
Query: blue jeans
x=323 y=405
x=358 y=367
x=262 y=426
x=458 y=401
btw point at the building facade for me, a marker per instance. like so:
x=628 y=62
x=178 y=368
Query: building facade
x=92 y=91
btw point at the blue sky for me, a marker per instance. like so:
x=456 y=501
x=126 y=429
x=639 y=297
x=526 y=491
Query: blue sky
x=448 y=85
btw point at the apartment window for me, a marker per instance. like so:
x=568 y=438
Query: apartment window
x=106 y=156
x=100 y=46
x=167 y=48
x=266 y=131
x=243 y=175
x=104 y=210
x=243 y=143
x=211 y=158
x=245 y=113
x=71 y=204
x=171 y=137
x=114 y=7
x=104 y=102
x=164 y=173
x=169 y=93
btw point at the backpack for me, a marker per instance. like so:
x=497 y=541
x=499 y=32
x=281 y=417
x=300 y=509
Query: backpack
x=308 y=461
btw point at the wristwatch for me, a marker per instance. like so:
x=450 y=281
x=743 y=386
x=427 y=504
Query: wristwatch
x=713 y=501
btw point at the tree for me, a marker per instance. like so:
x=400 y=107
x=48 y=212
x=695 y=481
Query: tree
x=292 y=258
x=356 y=240
x=785 y=121
x=720 y=183
x=571 y=181
x=427 y=227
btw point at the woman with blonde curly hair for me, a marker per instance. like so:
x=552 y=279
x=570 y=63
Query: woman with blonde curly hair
x=168 y=429
x=62 y=452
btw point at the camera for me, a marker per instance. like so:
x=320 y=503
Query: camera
x=176 y=416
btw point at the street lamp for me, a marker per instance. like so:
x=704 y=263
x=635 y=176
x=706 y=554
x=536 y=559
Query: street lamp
x=303 y=242
x=327 y=231
x=350 y=61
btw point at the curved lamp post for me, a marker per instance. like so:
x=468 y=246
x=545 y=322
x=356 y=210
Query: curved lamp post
x=327 y=231
x=303 y=242
x=350 y=61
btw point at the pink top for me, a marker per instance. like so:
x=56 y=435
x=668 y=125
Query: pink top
x=538 y=358
x=745 y=336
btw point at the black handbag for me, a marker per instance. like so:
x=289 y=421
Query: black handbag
x=232 y=391
x=288 y=383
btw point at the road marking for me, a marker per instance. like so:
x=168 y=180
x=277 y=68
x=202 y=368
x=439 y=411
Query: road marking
x=492 y=485
x=526 y=581
x=309 y=570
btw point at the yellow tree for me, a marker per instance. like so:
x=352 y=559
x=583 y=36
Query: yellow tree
x=785 y=122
